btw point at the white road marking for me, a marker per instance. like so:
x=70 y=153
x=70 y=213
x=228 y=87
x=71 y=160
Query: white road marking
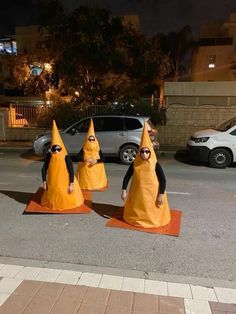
x=181 y=193
x=5 y=183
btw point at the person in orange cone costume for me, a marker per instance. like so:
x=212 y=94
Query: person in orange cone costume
x=146 y=204
x=61 y=190
x=91 y=171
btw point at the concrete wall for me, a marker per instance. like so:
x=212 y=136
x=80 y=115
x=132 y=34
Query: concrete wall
x=194 y=106
x=22 y=134
x=182 y=121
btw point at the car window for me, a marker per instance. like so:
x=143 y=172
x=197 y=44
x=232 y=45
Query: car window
x=98 y=124
x=110 y=124
x=81 y=126
x=226 y=125
x=132 y=124
x=233 y=132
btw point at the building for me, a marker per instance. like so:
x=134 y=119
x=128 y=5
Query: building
x=215 y=56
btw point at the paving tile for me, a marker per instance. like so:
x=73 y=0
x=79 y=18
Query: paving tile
x=171 y=305
x=74 y=292
x=28 y=273
x=141 y=312
x=28 y=288
x=90 y=279
x=50 y=290
x=155 y=287
x=225 y=295
x=179 y=290
x=47 y=274
x=197 y=306
x=15 y=304
x=3 y=297
x=224 y=307
x=133 y=284
x=65 y=305
x=96 y=295
x=203 y=293
x=10 y=271
x=92 y=308
x=111 y=282
x=1 y=265
x=69 y=277
x=8 y=285
x=145 y=303
x=120 y=302
x=39 y=306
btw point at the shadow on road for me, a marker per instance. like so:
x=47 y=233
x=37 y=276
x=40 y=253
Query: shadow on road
x=183 y=157
x=107 y=211
x=20 y=197
x=29 y=155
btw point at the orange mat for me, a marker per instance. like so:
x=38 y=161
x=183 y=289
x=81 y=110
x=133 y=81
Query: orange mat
x=173 y=228
x=35 y=206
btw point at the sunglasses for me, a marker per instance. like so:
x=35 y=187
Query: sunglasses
x=145 y=151
x=56 y=149
x=91 y=139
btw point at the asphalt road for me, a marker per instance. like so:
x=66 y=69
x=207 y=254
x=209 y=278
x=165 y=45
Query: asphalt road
x=205 y=248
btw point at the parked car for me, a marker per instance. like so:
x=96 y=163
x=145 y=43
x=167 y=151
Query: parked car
x=118 y=136
x=215 y=146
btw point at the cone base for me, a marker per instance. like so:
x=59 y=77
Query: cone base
x=35 y=207
x=172 y=229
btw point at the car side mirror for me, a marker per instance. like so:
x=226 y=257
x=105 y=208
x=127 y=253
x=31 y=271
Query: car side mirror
x=73 y=131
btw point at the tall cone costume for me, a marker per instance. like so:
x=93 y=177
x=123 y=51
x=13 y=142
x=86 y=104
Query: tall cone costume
x=91 y=177
x=56 y=196
x=141 y=209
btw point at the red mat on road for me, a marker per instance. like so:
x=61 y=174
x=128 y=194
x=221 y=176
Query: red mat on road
x=173 y=228
x=35 y=206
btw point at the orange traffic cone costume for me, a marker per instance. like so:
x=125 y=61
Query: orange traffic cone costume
x=141 y=208
x=91 y=177
x=56 y=196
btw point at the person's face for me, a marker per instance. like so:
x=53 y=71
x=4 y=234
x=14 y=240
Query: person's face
x=55 y=149
x=145 y=153
x=91 y=139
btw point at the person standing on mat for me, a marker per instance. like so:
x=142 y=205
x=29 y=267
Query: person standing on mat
x=61 y=188
x=146 y=203
x=91 y=172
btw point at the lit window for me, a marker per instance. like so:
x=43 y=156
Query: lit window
x=211 y=62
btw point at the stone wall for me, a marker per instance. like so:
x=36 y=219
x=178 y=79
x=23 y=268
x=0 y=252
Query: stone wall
x=182 y=121
x=22 y=134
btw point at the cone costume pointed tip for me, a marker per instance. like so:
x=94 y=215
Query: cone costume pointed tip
x=91 y=177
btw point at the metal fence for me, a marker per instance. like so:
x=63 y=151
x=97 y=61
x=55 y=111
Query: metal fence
x=23 y=115
x=28 y=115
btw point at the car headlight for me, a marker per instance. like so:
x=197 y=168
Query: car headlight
x=200 y=139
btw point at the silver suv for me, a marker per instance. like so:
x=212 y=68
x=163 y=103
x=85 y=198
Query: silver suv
x=118 y=136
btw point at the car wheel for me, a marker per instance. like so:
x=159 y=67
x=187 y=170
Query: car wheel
x=219 y=158
x=46 y=149
x=128 y=153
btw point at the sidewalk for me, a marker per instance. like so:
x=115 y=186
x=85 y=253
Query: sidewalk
x=33 y=290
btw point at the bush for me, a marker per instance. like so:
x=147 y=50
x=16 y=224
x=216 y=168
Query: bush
x=63 y=114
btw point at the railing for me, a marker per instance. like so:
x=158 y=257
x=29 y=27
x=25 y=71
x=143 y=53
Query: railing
x=28 y=115
x=23 y=115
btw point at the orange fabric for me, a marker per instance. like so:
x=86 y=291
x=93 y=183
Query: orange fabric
x=56 y=196
x=91 y=177
x=140 y=207
x=35 y=205
x=173 y=228
x=56 y=139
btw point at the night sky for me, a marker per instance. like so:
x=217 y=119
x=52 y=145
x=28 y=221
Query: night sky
x=155 y=15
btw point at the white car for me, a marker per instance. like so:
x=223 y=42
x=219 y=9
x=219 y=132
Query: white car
x=215 y=146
